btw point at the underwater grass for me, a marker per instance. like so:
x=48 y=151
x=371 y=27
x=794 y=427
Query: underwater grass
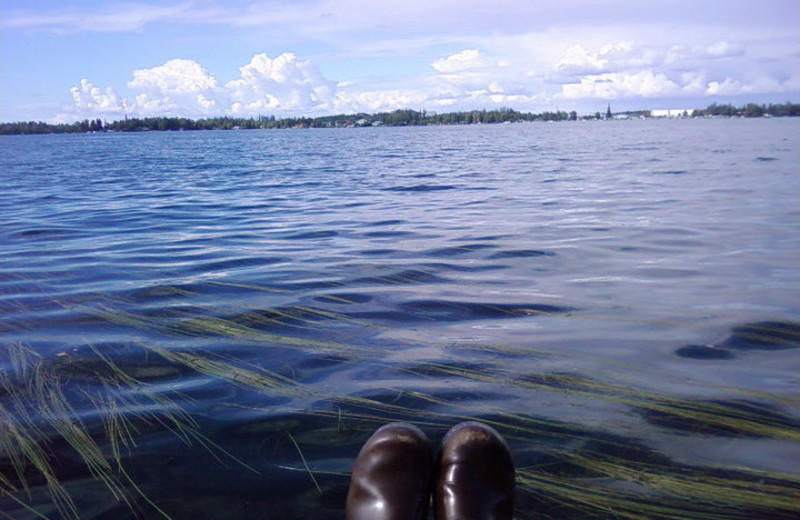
x=41 y=413
x=597 y=485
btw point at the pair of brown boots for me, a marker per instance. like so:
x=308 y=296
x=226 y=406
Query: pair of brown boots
x=394 y=475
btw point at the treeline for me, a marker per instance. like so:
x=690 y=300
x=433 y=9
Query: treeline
x=750 y=110
x=135 y=124
x=395 y=118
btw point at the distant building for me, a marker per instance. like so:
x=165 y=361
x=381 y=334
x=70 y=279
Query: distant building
x=672 y=112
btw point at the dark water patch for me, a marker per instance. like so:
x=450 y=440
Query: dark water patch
x=487 y=238
x=422 y=188
x=710 y=352
x=407 y=277
x=377 y=252
x=351 y=205
x=312 y=235
x=313 y=285
x=520 y=253
x=344 y=298
x=50 y=233
x=720 y=418
x=671 y=172
x=465 y=268
x=387 y=234
x=379 y=223
x=454 y=311
x=766 y=159
x=458 y=250
x=764 y=335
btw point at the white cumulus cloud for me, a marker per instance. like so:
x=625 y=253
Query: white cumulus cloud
x=90 y=95
x=90 y=99
x=614 y=85
x=468 y=59
x=178 y=87
x=284 y=82
x=611 y=57
x=174 y=77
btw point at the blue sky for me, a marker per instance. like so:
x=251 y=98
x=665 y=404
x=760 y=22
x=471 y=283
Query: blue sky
x=63 y=60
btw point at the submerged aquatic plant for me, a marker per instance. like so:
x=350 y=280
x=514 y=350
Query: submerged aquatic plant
x=39 y=413
x=566 y=470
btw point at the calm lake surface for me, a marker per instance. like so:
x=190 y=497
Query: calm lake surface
x=209 y=324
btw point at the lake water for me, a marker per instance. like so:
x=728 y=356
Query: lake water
x=209 y=324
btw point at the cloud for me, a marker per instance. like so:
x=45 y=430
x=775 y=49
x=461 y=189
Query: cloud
x=174 y=77
x=727 y=87
x=724 y=49
x=177 y=87
x=182 y=87
x=90 y=99
x=285 y=83
x=472 y=79
x=469 y=79
x=626 y=69
x=611 y=57
x=613 y=85
x=468 y=59
x=378 y=100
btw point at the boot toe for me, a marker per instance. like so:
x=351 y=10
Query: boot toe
x=391 y=476
x=476 y=477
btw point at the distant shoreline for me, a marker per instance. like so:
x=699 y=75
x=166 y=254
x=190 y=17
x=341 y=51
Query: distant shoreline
x=395 y=118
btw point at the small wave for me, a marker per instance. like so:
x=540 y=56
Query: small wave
x=463 y=268
x=386 y=223
x=387 y=234
x=458 y=250
x=521 y=253
x=408 y=277
x=456 y=311
x=49 y=233
x=684 y=422
x=377 y=252
x=422 y=188
x=344 y=298
x=764 y=335
x=312 y=235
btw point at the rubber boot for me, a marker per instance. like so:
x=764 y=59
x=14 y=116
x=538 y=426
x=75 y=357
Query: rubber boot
x=476 y=476
x=391 y=476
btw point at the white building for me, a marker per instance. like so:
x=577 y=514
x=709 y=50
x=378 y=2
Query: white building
x=672 y=112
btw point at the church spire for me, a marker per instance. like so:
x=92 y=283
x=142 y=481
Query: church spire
x=608 y=112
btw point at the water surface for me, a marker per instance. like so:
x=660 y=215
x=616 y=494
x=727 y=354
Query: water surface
x=227 y=316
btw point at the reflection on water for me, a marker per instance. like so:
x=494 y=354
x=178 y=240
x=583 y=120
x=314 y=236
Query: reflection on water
x=195 y=338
